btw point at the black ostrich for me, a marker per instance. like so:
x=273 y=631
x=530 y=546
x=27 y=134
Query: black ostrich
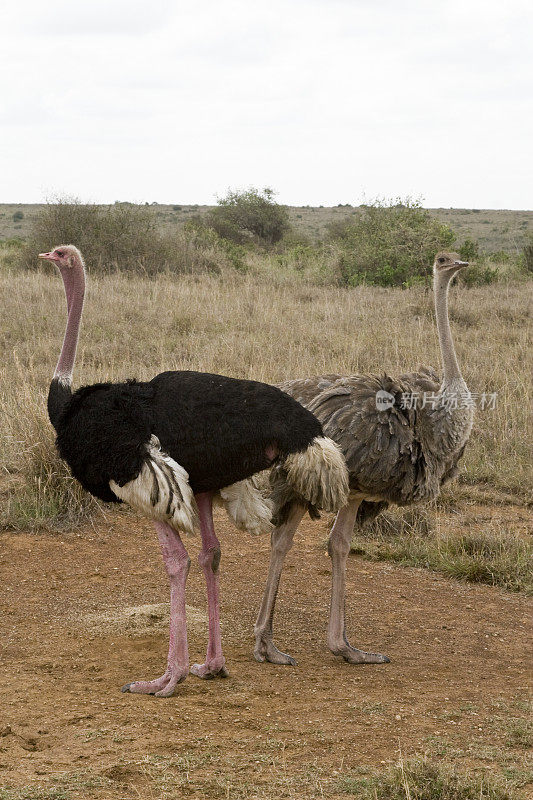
x=168 y=447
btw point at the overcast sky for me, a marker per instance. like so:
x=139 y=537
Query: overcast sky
x=326 y=101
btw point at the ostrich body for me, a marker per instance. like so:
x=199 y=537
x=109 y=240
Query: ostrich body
x=396 y=453
x=172 y=445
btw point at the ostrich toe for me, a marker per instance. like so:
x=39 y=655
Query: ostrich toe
x=160 y=687
x=354 y=656
x=266 y=650
x=210 y=669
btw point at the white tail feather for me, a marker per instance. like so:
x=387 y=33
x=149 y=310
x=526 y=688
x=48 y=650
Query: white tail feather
x=246 y=505
x=319 y=474
x=161 y=490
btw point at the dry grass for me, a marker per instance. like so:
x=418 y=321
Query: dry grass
x=491 y=554
x=251 y=327
x=209 y=772
x=36 y=484
x=421 y=779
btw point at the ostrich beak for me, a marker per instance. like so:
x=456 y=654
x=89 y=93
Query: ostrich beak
x=460 y=264
x=49 y=256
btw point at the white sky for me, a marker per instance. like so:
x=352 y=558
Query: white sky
x=327 y=101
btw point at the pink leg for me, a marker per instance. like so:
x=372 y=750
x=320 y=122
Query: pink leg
x=177 y=563
x=209 y=559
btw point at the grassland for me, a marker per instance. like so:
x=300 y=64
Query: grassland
x=272 y=328
x=247 y=327
x=496 y=230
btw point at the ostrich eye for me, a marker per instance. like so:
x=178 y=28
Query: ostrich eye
x=60 y=253
x=442 y=260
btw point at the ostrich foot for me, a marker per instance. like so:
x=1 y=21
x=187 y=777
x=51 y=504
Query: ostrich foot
x=215 y=668
x=354 y=656
x=266 y=650
x=161 y=687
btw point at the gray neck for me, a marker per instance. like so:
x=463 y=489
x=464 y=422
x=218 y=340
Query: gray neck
x=452 y=373
x=74 y=280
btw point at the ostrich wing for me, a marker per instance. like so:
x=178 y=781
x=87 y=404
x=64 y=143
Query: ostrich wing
x=383 y=448
x=424 y=380
x=305 y=390
x=427 y=380
x=161 y=490
x=383 y=454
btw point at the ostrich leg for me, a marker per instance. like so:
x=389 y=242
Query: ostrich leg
x=177 y=564
x=338 y=549
x=209 y=559
x=265 y=649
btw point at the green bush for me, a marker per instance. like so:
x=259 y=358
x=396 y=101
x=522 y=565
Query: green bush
x=389 y=243
x=527 y=254
x=127 y=237
x=469 y=250
x=480 y=274
x=502 y=257
x=248 y=216
x=17 y=216
x=202 y=242
x=315 y=262
x=121 y=236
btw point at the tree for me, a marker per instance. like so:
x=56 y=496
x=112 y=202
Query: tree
x=248 y=215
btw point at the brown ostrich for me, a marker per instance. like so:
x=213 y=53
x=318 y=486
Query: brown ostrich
x=397 y=451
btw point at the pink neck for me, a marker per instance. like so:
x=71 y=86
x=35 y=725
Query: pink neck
x=74 y=281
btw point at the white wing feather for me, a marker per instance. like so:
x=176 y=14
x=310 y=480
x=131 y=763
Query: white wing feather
x=161 y=490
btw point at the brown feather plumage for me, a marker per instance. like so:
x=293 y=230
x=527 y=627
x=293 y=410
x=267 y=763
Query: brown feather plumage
x=390 y=454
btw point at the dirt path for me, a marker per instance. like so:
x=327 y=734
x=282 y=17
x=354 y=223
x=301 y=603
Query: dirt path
x=458 y=671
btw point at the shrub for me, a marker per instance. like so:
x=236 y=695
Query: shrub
x=469 y=249
x=316 y=263
x=201 y=249
x=18 y=215
x=527 y=253
x=110 y=237
x=10 y=253
x=250 y=215
x=389 y=243
x=479 y=275
x=125 y=236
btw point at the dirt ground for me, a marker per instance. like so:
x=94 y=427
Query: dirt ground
x=81 y=615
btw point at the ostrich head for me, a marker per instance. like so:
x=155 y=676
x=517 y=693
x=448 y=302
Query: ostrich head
x=448 y=264
x=65 y=257
x=69 y=261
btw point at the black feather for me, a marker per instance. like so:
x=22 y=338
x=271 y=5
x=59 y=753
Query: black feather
x=216 y=427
